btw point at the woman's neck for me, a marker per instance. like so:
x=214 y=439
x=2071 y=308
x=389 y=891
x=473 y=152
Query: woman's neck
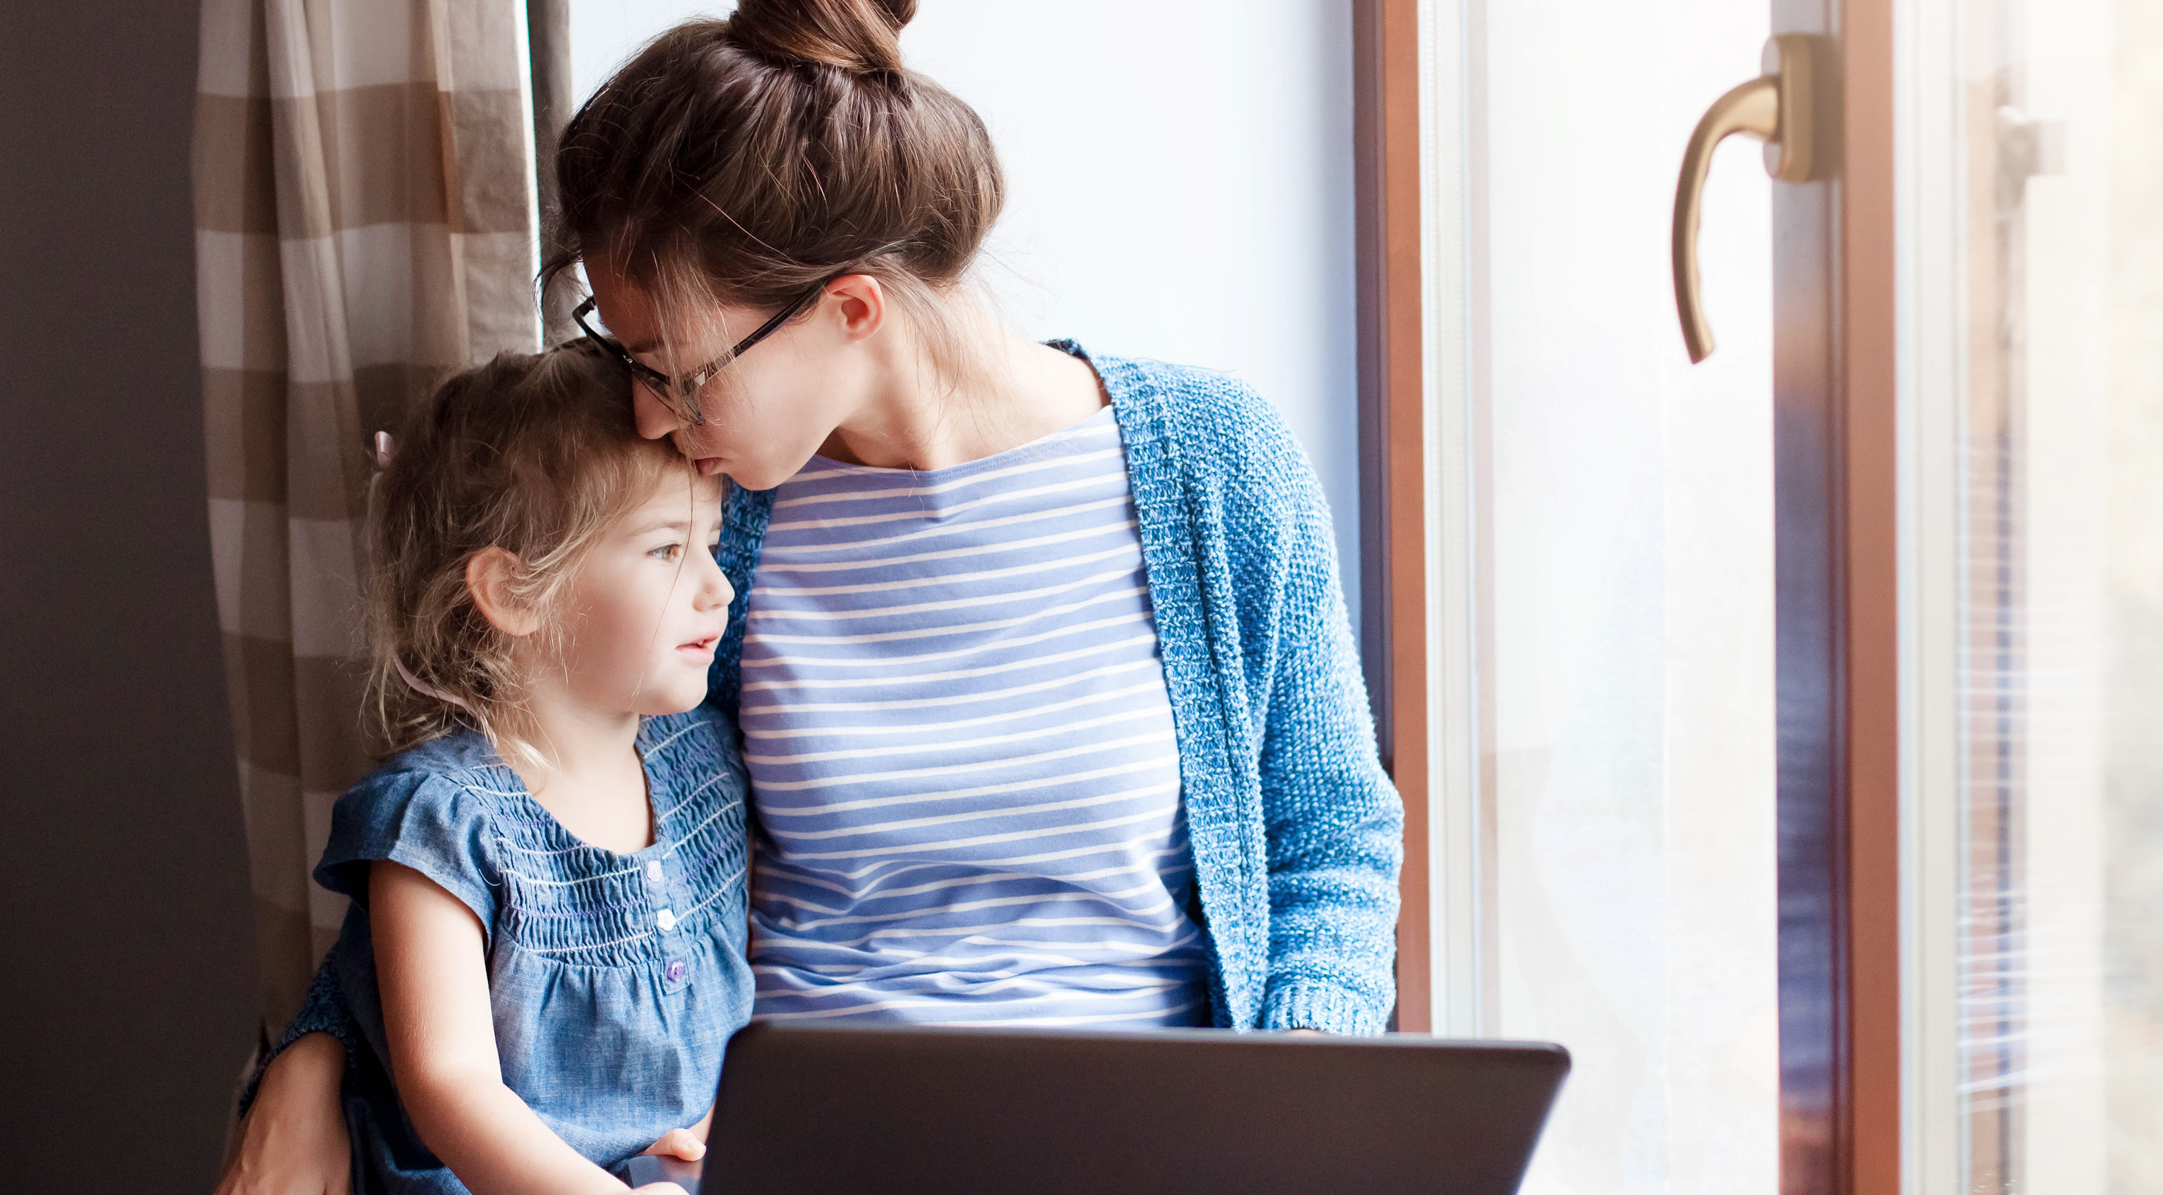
x=1012 y=391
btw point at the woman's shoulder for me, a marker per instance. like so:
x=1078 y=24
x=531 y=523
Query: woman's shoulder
x=1212 y=432
x=1198 y=399
x=1216 y=424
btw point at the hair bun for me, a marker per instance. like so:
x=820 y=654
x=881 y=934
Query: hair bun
x=862 y=37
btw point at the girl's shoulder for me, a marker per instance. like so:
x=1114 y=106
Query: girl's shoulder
x=694 y=763
x=701 y=817
x=696 y=740
x=431 y=808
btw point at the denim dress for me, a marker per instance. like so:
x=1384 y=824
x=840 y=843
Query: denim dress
x=616 y=980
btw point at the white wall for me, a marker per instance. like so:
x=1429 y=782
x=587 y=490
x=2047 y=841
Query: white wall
x=1179 y=184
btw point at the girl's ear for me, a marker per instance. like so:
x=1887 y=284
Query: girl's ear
x=492 y=579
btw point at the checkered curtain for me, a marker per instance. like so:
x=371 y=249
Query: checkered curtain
x=365 y=222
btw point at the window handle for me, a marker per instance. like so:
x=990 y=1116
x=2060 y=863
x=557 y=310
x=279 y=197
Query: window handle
x=1777 y=108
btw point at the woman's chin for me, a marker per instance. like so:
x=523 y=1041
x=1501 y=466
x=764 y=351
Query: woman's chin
x=755 y=477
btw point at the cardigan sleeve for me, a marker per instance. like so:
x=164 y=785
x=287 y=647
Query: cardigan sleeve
x=1333 y=821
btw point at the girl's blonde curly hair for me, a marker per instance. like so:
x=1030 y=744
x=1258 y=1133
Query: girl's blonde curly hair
x=532 y=453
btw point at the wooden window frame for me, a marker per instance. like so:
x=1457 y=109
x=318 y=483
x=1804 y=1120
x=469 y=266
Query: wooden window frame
x=1836 y=375
x=1386 y=113
x=1837 y=554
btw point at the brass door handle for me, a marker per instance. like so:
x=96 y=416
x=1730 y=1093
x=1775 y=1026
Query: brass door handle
x=1776 y=108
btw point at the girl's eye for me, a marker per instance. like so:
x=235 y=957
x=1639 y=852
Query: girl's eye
x=666 y=551
x=714 y=549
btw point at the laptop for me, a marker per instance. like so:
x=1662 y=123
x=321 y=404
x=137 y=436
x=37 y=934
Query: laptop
x=895 y=1110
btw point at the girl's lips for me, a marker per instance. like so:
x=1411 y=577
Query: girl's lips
x=703 y=647
x=708 y=466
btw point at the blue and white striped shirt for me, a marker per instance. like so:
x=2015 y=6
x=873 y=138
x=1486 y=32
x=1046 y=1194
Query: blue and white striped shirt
x=961 y=746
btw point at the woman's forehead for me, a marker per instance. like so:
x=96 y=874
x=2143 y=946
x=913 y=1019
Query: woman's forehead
x=633 y=315
x=625 y=306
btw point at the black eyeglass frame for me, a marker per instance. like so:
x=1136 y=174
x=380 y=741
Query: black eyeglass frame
x=680 y=394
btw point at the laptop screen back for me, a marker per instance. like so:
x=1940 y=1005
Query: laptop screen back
x=839 y=1111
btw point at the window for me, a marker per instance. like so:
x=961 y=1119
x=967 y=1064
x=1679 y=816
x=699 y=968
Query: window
x=1606 y=512
x=2036 y=596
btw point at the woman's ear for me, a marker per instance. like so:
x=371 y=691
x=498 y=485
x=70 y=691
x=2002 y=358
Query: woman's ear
x=492 y=579
x=863 y=304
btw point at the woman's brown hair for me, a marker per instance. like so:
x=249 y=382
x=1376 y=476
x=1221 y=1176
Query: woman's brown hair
x=532 y=453
x=746 y=160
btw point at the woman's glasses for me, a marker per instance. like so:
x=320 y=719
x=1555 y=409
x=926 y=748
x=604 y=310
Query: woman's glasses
x=680 y=394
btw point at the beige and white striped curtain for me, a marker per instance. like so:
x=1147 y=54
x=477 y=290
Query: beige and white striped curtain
x=365 y=222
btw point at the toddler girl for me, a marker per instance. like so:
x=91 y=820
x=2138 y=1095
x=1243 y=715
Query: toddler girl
x=545 y=954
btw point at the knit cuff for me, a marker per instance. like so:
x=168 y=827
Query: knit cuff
x=323 y=1011
x=1306 y=1004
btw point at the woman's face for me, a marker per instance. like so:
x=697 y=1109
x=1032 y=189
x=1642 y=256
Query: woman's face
x=769 y=410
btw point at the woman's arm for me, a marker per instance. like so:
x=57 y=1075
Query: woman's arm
x=432 y=971
x=1335 y=831
x=1333 y=820
x=293 y=1140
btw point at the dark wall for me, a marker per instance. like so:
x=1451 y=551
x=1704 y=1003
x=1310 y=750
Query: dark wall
x=127 y=972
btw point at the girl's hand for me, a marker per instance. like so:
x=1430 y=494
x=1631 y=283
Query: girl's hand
x=294 y=1141
x=679 y=1143
x=685 y=1145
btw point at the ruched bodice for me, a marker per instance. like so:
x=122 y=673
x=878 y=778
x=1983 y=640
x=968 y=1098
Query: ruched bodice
x=615 y=979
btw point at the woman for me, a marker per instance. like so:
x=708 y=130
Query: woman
x=1048 y=692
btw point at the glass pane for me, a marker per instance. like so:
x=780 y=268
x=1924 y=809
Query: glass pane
x=1628 y=498
x=2058 y=191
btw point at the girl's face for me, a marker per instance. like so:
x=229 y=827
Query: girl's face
x=770 y=409
x=648 y=604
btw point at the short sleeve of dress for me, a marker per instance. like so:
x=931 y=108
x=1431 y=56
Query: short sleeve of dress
x=430 y=822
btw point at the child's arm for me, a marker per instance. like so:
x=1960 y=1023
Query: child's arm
x=432 y=970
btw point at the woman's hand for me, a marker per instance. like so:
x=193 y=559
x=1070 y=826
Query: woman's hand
x=294 y=1140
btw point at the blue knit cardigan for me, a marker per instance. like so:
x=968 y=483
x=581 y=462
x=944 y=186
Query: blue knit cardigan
x=1297 y=831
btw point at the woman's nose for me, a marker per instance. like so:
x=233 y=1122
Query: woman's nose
x=655 y=420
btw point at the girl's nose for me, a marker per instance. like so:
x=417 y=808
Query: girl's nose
x=715 y=592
